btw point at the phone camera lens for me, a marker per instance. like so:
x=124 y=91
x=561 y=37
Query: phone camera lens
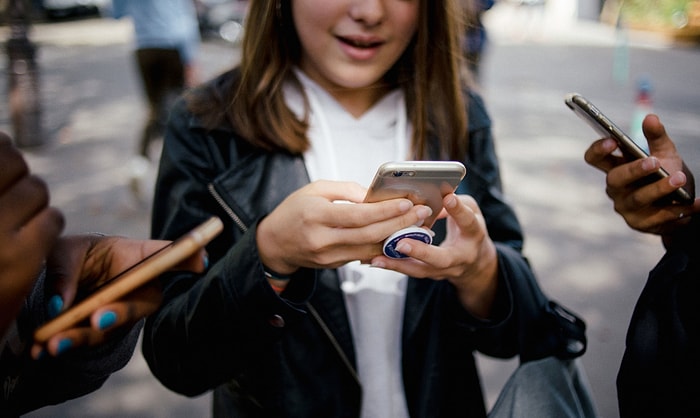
x=397 y=173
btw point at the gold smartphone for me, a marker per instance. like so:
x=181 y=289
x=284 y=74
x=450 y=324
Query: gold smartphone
x=132 y=278
x=630 y=149
x=422 y=182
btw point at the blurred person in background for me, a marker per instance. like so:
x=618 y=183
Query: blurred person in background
x=167 y=41
x=475 y=36
x=659 y=373
x=41 y=274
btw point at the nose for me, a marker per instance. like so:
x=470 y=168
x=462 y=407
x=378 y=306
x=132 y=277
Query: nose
x=367 y=12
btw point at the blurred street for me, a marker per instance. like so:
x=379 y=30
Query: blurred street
x=585 y=255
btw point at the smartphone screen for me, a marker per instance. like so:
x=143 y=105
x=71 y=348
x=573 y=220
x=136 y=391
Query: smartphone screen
x=422 y=182
x=132 y=278
x=629 y=148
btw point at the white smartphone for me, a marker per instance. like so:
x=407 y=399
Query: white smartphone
x=629 y=148
x=422 y=182
x=132 y=278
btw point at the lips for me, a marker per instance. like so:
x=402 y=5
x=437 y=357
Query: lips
x=360 y=42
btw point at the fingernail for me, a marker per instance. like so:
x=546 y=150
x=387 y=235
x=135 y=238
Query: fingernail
x=55 y=306
x=107 y=319
x=403 y=248
x=649 y=164
x=405 y=205
x=677 y=179
x=205 y=259
x=451 y=202
x=609 y=144
x=378 y=264
x=64 y=345
x=423 y=212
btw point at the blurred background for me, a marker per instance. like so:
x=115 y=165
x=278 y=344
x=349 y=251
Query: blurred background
x=81 y=111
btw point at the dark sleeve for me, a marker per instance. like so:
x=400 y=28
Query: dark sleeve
x=526 y=322
x=660 y=367
x=209 y=324
x=30 y=384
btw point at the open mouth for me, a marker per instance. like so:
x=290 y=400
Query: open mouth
x=360 y=43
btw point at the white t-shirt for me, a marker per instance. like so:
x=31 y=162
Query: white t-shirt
x=350 y=149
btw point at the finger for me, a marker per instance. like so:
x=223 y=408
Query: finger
x=337 y=190
x=465 y=211
x=128 y=311
x=374 y=232
x=197 y=262
x=414 y=265
x=22 y=201
x=362 y=214
x=68 y=340
x=657 y=138
x=626 y=174
x=600 y=155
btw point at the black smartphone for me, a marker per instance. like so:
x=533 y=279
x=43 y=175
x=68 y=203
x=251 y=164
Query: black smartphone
x=134 y=277
x=422 y=182
x=629 y=148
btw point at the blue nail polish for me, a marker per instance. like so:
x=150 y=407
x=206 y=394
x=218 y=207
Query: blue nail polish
x=107 y=319
x=206 y=262
x=55 y=306
x=64 y=345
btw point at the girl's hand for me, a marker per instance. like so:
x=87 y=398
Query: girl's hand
x=310 y=228
x=467 y=257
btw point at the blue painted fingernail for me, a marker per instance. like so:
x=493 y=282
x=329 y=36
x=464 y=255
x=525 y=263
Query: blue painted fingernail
x=107 y=319
x=64 y=345
x=206 y=262
x=55 y=306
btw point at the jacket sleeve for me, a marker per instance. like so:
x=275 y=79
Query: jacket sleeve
x=659 y=370
x=30 y=384
x=530 y=325
x=178 y=343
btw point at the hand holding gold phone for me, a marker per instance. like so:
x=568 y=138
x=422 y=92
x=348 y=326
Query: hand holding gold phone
x=133 y=278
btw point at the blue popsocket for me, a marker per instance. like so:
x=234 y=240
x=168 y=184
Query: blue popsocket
x=412 y=232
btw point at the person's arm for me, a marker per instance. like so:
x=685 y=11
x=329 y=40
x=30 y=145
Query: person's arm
x=29 y=227
x=30 y=383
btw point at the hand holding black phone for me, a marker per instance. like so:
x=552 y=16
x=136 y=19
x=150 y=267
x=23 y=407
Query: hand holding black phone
x=629 y=148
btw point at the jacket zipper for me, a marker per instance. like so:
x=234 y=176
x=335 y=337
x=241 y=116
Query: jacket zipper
x=334 y=342
x=237 y=220
x=226 y=207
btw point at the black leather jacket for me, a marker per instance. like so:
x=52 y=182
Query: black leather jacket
x=659 y=373
x=293 y=355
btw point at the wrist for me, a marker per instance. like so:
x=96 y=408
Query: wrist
x=277 y=281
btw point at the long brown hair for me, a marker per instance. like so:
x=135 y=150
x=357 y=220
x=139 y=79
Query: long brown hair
x=430 y=71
